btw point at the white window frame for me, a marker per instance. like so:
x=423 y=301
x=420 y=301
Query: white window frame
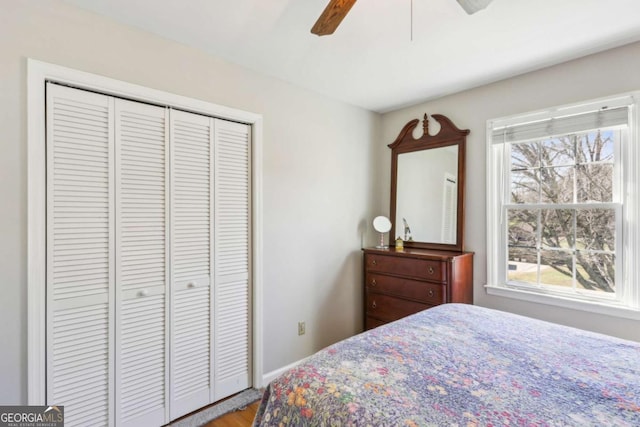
x=38 y=73
x=627 y=301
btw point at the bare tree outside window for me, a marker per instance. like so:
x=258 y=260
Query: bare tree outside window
x=561 y=225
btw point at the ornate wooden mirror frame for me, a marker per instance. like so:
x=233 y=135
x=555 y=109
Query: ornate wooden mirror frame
x=448 y=136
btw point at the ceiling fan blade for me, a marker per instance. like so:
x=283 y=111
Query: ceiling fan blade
x=472 y=6
x=331 y=17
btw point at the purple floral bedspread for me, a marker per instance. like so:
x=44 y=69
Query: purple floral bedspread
x=462 y=365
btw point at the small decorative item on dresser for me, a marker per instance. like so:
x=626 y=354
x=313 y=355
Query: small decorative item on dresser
x=399 y=244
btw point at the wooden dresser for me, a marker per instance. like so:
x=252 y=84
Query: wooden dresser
x=400 y=283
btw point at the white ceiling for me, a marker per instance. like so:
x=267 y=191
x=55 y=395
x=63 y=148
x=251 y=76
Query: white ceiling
x=373 y=60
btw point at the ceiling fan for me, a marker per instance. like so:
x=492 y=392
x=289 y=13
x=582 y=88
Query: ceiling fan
x=336 y=10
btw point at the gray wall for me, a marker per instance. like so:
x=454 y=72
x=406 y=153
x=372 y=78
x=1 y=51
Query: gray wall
x=318 y=156
x=608 y=73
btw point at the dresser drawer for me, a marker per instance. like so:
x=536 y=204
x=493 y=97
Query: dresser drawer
x=430 y=293
x=420 y=268
x=388 y=308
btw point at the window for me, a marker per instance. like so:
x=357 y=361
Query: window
x=562 y=196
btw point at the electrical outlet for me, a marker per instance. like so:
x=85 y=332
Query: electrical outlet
x=301 y=328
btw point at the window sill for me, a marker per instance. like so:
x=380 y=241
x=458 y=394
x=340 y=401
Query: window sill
x=559 y=301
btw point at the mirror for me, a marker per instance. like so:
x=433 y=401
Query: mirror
x=427 y=186
x=427 y=212
x=382 y=225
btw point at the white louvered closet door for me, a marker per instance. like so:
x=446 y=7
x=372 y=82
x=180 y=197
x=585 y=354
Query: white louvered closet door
x=80 y=267
x=142 y=273
x=148 y=255
x=232 y=258
x=192 y=222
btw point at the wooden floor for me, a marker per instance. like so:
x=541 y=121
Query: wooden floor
x=242 y=418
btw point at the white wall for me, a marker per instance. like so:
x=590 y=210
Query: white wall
x=318 y=160
x=611 y=72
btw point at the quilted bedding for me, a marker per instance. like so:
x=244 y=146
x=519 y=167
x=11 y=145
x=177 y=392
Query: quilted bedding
x=462 y=365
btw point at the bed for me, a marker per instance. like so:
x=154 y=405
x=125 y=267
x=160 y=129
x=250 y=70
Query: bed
x=458 y=364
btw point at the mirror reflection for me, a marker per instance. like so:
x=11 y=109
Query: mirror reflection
x=427 y=195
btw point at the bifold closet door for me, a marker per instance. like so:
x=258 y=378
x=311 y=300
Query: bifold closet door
x=192 y=261
x=148 y=255
x=232 y=298
x=142 y=263
x=106 y=259
x=80 y=265
x=210 y=335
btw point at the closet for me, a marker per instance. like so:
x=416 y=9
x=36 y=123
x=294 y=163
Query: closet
x=148 y=265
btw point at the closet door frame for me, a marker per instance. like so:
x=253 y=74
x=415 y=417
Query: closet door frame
x=38 y=73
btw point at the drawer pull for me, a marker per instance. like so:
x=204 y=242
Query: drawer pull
x=430 y=292
x=430 y=270
x=373 y=282
x=374 y=305
x=374 y=262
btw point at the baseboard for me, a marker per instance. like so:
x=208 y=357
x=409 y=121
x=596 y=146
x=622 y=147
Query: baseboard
x=270 y=376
